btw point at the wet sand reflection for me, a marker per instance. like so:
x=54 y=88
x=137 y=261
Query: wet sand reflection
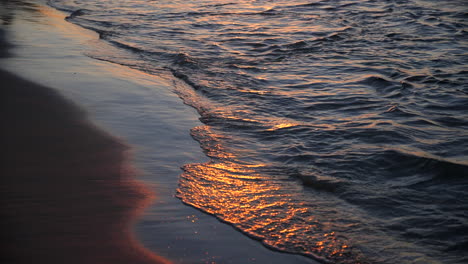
x=68 y=190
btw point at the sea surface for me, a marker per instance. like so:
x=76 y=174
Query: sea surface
x=335 y=129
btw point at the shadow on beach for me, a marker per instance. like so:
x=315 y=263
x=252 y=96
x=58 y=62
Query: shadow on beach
x=68 y=193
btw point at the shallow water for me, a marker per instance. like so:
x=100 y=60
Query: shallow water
x=336 y=129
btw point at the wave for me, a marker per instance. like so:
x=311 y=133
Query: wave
x=332 y=119
x=79 y=12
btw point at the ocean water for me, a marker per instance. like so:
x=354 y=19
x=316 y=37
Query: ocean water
x=335 y=129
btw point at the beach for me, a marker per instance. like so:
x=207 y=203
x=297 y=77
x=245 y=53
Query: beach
x=68 y=190
x=89 y=174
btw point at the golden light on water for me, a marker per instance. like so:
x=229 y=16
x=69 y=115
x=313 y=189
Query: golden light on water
x=262 y=207
x=282 y=125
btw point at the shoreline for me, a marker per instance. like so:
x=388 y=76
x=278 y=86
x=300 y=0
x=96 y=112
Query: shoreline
x=67 y=185
x=49 y=51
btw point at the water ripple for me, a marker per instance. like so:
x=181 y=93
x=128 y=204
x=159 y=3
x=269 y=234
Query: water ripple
x=336 y=129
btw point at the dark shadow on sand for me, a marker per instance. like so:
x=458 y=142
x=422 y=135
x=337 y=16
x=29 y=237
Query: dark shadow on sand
x=68 y=193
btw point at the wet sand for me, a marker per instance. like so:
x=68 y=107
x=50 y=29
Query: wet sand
x=68 y=190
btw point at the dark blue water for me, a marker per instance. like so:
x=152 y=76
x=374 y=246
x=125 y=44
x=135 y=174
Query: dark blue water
x=336 y=129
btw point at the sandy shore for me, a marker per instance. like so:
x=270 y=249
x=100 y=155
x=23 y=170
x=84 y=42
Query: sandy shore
x=66 y=185
x=69 y=193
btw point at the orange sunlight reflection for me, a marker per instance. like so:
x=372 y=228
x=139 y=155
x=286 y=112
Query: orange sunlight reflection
x=242 y=195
